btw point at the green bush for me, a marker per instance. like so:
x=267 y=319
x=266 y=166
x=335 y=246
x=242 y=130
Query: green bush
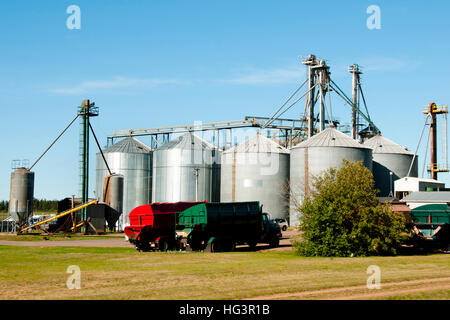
x=343 y=217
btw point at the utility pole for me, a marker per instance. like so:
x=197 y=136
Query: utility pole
x=391 y=194
x=354 y=69
x=196 y=173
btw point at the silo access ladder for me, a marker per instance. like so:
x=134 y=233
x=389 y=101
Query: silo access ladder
x=62 y=214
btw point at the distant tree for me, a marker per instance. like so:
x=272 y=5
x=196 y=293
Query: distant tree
x=4 y=206
x=343 y=217
x=42 y=205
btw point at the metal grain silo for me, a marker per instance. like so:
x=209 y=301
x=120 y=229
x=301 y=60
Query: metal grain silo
x=21 y=194
x=133 y=160
x=389 y=157
x=310 y=158
x=257 y=170
x=113 y=197
x=175 y=167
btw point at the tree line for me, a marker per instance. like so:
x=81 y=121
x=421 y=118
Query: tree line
x=39 y=205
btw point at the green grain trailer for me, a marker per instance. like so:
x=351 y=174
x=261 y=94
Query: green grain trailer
x=432 y=225
x=217 y=226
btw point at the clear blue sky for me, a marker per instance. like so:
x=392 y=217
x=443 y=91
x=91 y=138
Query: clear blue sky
x=157 y=63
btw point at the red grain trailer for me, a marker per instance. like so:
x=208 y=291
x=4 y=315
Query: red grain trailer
x=152 y=226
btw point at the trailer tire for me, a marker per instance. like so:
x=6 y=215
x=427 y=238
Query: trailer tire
x=163 y=245
x=216 y=246
x=228 y=245
x=142 y=246
x=274 y=241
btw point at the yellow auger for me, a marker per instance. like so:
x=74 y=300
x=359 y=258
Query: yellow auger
x=62 y=214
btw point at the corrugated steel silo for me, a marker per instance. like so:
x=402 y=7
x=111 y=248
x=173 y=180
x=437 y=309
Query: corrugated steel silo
x=113 y=197
x=310 y=158
x=21 y=194
x=257 y=170
x=174 y=167
x=388 y=157
x=133 y=160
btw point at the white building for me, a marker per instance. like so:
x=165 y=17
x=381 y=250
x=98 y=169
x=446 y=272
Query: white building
x=404 y=186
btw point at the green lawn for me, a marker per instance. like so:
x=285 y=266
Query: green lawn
x=55 y=237
x=123 y=273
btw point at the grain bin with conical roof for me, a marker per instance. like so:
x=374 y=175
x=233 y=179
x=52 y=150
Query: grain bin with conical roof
x=175 y=168
x=133 y=160
x=257 y=170
x=21 y=194
x=310 y=158
x=389 y=157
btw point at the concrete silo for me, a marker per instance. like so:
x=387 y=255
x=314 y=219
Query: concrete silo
x=183 y=170
x=310 y=158
x=21 y=194
x=257 y=170
x=133 y=160
x=390 y=157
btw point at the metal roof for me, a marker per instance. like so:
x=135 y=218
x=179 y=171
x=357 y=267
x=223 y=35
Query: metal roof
x=128 y=145
x=331 y=137
x=416 y=179
x=380 y=144
x=431 y=196
x=258 y=144
x=187 y=141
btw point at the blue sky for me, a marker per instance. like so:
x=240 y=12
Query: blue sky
x=160 y=63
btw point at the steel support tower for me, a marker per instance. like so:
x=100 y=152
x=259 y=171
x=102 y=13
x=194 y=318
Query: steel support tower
x=433 y=110
x=355 y=71
x=85 y=111
x=310 y=61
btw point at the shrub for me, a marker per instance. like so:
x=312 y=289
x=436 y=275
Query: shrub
x=343 y=217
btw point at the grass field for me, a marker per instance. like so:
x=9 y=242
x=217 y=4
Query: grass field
x=123 y=273
x=55 y=237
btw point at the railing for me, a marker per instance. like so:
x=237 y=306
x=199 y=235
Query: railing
x=8 y=225
x=437 y=167
x=436 y=109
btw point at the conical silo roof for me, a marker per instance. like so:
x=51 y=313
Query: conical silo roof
x=187 y=141
x=128 y=145
x=331 y=137
x=258 y=144
x=380 y=144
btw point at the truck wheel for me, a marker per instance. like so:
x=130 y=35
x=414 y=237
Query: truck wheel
x=215 y=246
x=228 y=245
x=274 y=242
x=233 y=245
x=163 y=245
x=284 y=228
x=142 y=246
x=252 y=245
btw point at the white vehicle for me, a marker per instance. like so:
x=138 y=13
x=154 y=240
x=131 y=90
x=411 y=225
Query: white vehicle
x=38 y=218
x=282 y=223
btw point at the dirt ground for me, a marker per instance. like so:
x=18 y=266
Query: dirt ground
x=362 y=293
x=120 y=242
